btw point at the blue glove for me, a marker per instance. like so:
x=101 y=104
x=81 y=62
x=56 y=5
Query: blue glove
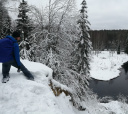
x=18 y=70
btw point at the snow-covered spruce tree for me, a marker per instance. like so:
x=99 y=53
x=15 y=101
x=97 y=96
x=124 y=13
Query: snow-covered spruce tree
x=25 y=26
x=5 y=20
x=81 y=59
x=84 y=44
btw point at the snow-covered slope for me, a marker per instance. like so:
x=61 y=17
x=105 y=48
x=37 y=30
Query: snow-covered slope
x=105 y=65
x=22 y=96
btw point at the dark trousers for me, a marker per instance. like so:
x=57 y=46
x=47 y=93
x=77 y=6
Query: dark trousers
x=6 y=68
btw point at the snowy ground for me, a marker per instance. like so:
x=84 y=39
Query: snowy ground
x=105 y=66
x=21 y=96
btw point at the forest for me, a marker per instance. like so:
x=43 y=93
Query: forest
x=109 y=39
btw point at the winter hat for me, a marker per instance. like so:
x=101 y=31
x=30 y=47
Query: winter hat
x=16 y=34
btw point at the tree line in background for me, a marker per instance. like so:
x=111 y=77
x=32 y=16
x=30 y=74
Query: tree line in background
x=111 y=40
x=58 y=36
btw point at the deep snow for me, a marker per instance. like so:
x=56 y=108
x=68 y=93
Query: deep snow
x=22 y=96
x=105 y=65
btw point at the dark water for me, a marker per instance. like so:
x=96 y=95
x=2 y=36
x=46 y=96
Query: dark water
x=114 y=87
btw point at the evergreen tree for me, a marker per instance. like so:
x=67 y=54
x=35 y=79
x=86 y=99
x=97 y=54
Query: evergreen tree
x=25 y=26
x=81 y=56
x=126 y=46
x=84 y=44
x=118 y=49
x=23 y=20
x=5 y=21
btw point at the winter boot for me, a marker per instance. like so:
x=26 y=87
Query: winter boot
x=5 y=79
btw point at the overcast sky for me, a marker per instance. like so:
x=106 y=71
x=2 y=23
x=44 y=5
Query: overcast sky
x=108 y=14
x=103 y=14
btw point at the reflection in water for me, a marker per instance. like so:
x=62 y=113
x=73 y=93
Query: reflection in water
x=112 y=88
x=96 y=81
x=125 y=66
x=111 y=81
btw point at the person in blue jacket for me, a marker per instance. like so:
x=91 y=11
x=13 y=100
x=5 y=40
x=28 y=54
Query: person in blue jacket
x=9 y=56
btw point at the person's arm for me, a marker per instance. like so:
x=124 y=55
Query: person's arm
x=16 y=54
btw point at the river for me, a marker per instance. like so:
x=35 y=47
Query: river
x=113 y=88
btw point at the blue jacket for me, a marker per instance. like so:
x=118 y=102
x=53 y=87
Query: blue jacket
x=9 y=50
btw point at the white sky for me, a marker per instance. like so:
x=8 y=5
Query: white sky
x=103 y=14
x=108 y=14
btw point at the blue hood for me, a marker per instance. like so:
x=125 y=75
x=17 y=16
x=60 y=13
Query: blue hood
x=11 y=38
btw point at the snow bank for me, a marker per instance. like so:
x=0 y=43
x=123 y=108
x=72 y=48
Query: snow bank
x=38 y=68
x=105 y=66
x=22 y=96
x=116 y=107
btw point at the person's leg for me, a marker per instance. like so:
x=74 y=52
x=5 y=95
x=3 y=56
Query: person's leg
x=24 y=70
x=5 y=71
